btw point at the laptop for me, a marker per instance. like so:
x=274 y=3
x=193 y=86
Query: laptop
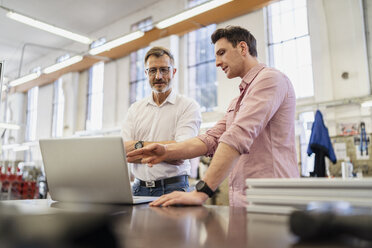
x=91 y=170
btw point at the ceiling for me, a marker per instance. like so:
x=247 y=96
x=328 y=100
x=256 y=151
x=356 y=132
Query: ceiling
x=86 y=17
x=79 y=16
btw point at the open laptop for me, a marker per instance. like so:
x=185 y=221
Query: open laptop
x=90 y=170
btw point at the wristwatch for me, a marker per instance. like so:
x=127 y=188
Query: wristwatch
x=202 y=186
x=138 y=145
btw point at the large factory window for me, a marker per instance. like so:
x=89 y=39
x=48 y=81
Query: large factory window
x=289 y=44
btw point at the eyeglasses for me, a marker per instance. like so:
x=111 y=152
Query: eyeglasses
x=163 y=70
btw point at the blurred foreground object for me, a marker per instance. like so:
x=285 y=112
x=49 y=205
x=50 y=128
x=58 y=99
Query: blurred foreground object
x=327 y=221
x=65 y=229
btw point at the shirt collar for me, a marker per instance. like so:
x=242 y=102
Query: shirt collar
x=251 y=74
x=171 y=99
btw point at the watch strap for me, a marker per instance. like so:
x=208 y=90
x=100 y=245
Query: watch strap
x=206 y=189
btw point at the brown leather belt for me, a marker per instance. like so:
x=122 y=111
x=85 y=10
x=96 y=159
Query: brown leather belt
x=165 y=181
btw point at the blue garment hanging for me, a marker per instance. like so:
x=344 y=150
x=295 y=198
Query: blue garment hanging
x=321 y=145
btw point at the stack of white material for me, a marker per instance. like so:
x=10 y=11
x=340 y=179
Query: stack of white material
x=285 y=195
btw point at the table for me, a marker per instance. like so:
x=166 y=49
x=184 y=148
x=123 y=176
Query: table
x=144 y=226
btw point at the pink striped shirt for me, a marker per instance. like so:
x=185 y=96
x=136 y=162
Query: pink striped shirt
x=260 y=125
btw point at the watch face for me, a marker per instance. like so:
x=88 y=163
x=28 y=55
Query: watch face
x=200 y=185
x=138 y=145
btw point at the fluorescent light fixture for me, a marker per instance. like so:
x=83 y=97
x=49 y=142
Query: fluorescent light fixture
x=63 y=64
x=20 y=148
x=367 y=104
x=49 y=28
x=9 y=126
x=24 y=79
x=9 y=146
x=31 y=143
x=190 y=13
x=117 y=42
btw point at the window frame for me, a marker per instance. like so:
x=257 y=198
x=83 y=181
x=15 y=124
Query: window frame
x=95 y=93
x=201 y=86
x=302 y=76
x=138 y=83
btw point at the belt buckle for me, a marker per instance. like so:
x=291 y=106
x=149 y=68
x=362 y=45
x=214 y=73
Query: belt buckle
x=150 y=184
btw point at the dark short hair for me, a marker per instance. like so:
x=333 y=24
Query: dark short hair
x=158 y=52
x=236 y=34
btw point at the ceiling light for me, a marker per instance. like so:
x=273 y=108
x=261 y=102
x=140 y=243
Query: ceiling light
x=24 y=79
x=9 y=126
x=20 y=148
x=8 y=146
x=117 y=42
x=63 y=64
x=49 y=28
x=31 y=143
x=367 y=103
x=190 y=13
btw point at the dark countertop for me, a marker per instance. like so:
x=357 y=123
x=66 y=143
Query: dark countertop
x=144 y=226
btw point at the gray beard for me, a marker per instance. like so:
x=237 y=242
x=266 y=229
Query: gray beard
x=161 y=91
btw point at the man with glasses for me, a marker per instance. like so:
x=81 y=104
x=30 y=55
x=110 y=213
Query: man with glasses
x=164 y=117
x=256 y=137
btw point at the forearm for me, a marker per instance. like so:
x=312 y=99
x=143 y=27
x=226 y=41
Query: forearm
x=222 y=163
x=187 y=149
x=129 y=145
x=146 y=143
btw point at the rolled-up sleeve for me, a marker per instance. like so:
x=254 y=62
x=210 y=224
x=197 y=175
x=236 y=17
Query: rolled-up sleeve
x=212 y=136
x=257 y=107
x=189 y=121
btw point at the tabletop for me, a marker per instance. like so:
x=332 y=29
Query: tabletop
x=44 y=223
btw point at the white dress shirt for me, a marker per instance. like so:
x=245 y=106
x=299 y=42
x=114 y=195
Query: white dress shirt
x=177 y=118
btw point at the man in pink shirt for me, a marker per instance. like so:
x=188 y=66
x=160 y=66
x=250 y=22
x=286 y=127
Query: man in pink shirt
x=256 y=137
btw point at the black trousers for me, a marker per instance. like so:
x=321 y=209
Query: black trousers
x=319 y=163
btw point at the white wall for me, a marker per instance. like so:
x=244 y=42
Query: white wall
x=122 y=101
x=338 y=45
x=44 y=112
x=81 y=96
x=347 y=47
x=320 y=51
x=110 y=95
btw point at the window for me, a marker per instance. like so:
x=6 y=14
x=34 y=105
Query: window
x=31 y=114
x=289 y=44
x=139 y=86
x=95 y=93
x=58 y=109
x=201 y=68
x=306 y=120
